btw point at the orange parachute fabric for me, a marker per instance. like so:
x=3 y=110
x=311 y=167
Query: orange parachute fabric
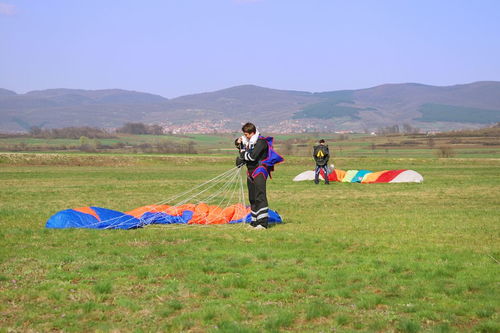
x=139 y=211
x=205 y=214
x=88 y=210
x=372 y=177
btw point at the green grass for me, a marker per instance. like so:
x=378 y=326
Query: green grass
x=349 y=257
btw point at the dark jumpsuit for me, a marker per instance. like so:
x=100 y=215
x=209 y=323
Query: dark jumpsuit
x=256 y=182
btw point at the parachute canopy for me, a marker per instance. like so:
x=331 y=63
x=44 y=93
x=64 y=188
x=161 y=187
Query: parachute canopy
x=202 y=213
x=366 y=176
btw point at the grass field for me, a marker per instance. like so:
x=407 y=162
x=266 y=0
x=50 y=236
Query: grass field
x=349 y=257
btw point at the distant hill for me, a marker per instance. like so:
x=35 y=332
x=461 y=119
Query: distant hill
x=55 y=108
x=240 y=104
x=5 y=93
x=108 y=96
x=451 y=107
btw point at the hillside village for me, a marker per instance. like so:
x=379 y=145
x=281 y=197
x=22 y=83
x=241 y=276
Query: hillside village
x=228 y=126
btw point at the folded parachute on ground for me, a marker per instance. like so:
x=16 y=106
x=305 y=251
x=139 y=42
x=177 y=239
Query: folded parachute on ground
x=102 y=218
x=365 y=176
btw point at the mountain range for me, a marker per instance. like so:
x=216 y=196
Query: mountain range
x=423 y=106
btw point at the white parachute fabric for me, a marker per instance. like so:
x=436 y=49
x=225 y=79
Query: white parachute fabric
x=408 y=176
x=306 y=175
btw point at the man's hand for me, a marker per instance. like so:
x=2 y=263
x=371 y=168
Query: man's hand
x=239 y=161
x=237 y=143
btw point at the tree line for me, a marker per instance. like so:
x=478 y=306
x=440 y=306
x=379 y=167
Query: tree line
x=69 y=133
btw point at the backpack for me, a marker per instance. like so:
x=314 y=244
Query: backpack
x=271 y=159
x=321 y=154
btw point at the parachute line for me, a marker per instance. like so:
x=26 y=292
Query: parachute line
x=222 y=190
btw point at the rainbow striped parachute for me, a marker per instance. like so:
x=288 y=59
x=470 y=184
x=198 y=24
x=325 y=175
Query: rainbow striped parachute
x=366 y=176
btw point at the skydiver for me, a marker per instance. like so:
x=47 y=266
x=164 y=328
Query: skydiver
x=257 y=153
x=321 y=155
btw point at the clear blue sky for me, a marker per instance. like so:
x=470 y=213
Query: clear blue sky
x=180 y=47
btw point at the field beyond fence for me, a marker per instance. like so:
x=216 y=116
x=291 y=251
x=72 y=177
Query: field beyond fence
x=464 y=144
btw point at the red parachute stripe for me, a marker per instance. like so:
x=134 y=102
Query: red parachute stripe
x=388 y=176
x=334 y=176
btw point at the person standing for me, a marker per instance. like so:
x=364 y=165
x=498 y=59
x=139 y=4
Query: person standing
x=321 y=155
x=257 y=153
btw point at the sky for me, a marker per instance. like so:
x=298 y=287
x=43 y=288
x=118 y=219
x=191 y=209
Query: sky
x=179 y=47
